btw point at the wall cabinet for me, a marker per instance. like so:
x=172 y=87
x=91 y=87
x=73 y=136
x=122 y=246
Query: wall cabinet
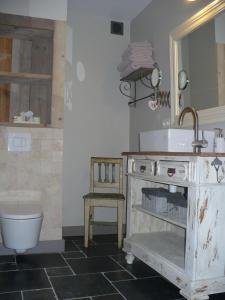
x=189 y=252
x=31 y=68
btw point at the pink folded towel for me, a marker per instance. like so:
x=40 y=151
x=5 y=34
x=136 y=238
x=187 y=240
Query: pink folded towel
x=135 y=60
x=140 y=44
x=140 y=57
x=128 y=53
x=137 y=55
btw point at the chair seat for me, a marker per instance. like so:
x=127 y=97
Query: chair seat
x=115 y=196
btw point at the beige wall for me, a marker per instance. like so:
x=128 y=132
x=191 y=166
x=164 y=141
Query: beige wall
x=155 y=24
x=49 y=9
x=35 y=175
x=96 y=120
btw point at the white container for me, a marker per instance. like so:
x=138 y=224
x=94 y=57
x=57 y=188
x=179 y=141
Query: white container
x=219 y=144
x=173 y=140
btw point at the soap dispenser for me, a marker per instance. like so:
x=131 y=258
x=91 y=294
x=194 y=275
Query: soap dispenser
x=219 y=141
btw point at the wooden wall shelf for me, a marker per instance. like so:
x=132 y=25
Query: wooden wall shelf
x=18 y=77
x=7 y=124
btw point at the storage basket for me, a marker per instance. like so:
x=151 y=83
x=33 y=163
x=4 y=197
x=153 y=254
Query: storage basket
x=155 y=199
x=177 y=206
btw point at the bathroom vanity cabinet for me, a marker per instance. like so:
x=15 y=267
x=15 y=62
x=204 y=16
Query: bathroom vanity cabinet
x=189 y=252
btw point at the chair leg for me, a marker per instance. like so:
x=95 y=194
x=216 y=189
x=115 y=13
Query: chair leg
x=86 y=222
x=120 y=223
x=90 y=225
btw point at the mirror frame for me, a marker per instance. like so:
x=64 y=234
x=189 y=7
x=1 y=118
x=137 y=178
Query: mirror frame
x=206 y=116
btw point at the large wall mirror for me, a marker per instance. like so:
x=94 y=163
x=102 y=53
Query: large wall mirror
x=198 y=47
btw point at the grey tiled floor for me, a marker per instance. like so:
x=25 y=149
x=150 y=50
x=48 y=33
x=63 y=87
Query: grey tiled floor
x=97 y=273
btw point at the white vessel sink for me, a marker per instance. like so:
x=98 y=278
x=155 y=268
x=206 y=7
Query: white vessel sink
x=173 y=140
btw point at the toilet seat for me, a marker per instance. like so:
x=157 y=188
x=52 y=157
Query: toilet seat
x=20 y=210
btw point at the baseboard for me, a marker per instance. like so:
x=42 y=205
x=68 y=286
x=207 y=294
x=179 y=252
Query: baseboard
x=42 y=247
x=98 y=230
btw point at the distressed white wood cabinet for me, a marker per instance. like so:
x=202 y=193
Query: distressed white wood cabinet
x=190 y=253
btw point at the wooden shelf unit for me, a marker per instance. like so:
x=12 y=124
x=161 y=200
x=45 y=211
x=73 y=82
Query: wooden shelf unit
x=32 y=68
x=168 y=246
x=163 y=216
x=21 y=77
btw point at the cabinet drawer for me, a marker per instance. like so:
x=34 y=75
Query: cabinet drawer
x=144 y=167
x=173 y=170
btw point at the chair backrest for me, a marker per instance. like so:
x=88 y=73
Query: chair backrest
x=106 y=172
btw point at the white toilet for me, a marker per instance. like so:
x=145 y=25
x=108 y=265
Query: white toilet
x=20 y=224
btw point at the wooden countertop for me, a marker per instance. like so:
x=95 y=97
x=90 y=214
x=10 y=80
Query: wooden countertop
x=155 y=153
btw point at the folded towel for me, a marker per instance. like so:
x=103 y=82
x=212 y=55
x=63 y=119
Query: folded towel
x=135 y=61
x=128 y=53
x=140 y=57
x=140 y=44
x=137 y=55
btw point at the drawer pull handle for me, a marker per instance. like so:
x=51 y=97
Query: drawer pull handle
x=155 y=168
x=171 y=172
x=142 y=169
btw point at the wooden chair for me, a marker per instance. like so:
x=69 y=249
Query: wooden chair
x=104 y=173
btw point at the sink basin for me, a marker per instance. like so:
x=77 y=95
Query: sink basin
x=173 y=140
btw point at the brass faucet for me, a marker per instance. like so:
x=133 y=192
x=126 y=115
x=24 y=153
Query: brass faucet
x=197 y=144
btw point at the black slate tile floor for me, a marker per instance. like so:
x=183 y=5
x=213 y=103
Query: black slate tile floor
x=137 y=269
x=60 y=271
x=73 y=254
x=109 y=297
x=81 y=286
x=93 y=265
x=13 y=281
x=39 y=295
x=33 y=261
x=101 y=249
x=11 y=296
x=97 y=273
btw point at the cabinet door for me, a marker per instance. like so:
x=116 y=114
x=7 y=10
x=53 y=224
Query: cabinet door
x=5 y=65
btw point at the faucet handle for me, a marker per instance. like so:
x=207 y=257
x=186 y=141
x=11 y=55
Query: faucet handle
x=204 y=141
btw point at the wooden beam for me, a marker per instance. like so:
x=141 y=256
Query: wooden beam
x=22 y=33
x=27 y=22
x=21 y=77
x=58 y=74
x=5 y=65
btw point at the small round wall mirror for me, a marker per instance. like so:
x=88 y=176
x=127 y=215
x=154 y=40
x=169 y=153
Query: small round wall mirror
x=156 y=77
x=183 y=80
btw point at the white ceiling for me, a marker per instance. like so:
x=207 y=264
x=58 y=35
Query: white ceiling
x=124 y=10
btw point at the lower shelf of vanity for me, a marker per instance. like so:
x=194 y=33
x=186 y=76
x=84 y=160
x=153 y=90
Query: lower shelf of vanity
x=181 y=222
x=158 y=249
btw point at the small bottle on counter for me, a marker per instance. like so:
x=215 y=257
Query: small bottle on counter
x=219 y=141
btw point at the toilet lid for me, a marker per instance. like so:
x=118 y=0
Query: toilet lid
x=20 y=210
